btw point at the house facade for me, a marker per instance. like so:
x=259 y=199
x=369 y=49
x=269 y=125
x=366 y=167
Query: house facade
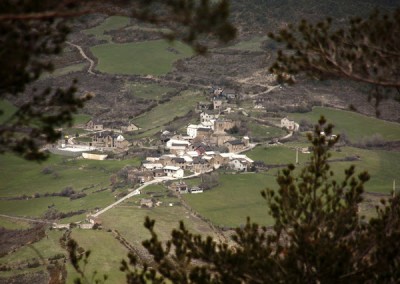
x=94 y=125
x=175 y=172
x=289 y=124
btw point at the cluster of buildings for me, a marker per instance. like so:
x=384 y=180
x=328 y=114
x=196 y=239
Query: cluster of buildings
x=175 y=166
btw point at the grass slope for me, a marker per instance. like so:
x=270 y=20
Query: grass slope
x=143 y=58
x=147 y=91
x=355 y=125
x=164 y=113
x=237 y=197
x=105 y=258
x=111 y=23
x=20 y=177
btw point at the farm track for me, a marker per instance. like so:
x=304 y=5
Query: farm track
x=82 y=52
x=26 y=219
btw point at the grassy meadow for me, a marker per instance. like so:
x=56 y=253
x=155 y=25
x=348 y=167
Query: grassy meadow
x=7 y=109
x=105 y=258
x=237 y=197
x=356 y=126
x=143 y=58
x=111 y=23
x=253 y=44
x=64 y=70
x=20 y=177
x=147 y=91
x=162 y=114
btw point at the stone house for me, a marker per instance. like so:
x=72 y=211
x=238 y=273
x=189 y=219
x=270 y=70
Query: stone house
x=140 y=177
x=178 y=162
x=151 y=165
x=180 y=187
x=107 y=139
x=193 y=130
x=129 y=127
x=200 y=165
x=220 y=125
x=289 y=124
x=237 y=145
x=177 y=146
x=158 y=173
x=204 y=133
x=146 y=202
x=207 y=119
x=94 y=125
x=217 y=161
x=229 y=94
x=240 y=165
x=217 y=104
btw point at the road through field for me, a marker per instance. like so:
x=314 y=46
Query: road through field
x=137 y=191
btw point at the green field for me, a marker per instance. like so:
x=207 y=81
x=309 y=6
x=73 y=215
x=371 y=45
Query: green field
x=147 y=91
x=13 y=224
x=355 y=125
x=128 y=219
x=237 y=197
x=263 y=131
x=64 y=71
x=20 y=177
x=253 y=44
x=144 y=58
x=7 y=109
x=276 y=155
x=105 y=258
x=111 y=23
x=162 y=114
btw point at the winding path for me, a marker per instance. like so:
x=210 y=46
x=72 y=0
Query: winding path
x=91 y=66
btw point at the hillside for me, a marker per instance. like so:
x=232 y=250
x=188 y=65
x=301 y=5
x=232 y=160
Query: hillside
x=138 y=78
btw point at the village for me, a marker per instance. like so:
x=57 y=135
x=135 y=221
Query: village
x=204 y=147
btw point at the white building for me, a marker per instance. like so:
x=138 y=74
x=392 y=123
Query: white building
x=289 y=124
x=152 y=166
x=192 y=129
x=175 y=172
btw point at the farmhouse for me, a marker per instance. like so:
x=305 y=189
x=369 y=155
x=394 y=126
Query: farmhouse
x=107 y=139
x=240 y=164
x=146 y=202
x=175 y=172
x=237 y=145
x=229 y=94
x=128 y=127
x=200 y=165
x=94 y=125
x=177 y=146
x=151 y=165
x=180 y=187
x=289 y=124
x=140 y=177
x=217 y=104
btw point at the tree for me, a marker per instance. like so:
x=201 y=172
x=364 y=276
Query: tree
x=32 y=31
x=318 y=235
x=366 y=51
